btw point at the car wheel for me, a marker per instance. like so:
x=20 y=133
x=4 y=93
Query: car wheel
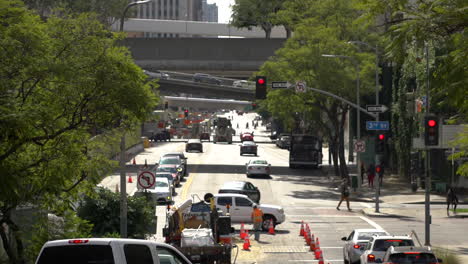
x=255 y=154
x=266 y=222
x=248 y=175
x=345 y=260
x=241 y=153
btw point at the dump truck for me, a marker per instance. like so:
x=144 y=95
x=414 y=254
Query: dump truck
x=199 y=231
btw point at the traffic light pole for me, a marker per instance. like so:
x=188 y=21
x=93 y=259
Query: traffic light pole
x=428 y=166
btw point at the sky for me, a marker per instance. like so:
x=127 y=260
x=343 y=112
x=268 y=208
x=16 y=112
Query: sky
x=224 y=10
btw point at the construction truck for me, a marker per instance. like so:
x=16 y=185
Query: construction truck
x=305 y=150
x=223 y=130
x=199 y=231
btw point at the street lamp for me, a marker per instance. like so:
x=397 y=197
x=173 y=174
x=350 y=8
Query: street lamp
x=376 y=69
x=123 y=182
x=358 y=116
x=122 y=19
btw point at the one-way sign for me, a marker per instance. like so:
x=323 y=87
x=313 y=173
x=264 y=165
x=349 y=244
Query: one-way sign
x=376 y=108
x=280 y=85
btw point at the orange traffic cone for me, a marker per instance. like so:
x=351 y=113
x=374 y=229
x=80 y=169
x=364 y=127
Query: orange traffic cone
x=246 y=245
x=301 y=233
x=312 y=243
x=317 y=243
x=247 y=236
x=321 y=258
x=130 y=180
x=134 y=161
x=242 y=231
x=271 y=228
x=307 y=237
x=317 y=253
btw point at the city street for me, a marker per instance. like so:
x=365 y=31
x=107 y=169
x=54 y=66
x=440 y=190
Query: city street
x=306 y=195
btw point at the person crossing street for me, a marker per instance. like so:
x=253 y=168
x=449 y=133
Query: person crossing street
x=257 y=219
x=344 y=190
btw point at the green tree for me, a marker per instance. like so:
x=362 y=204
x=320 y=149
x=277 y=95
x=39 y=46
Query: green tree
x=252 y=13
x=59 y=81
x=103 y=211
x=326 y=32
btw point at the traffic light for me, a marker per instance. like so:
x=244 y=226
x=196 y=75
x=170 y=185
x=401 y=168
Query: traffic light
x=254 y=106
x=260 y=87
x=380 y=143
x=378 y=169
x=186 y=113
x=431 y=131
x=166 y=105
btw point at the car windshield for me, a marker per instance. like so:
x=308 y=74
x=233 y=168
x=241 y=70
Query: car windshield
x=169 y=161
x=166 y=169
x=413 y=258
x=161 y=184
x=384 y=244
x=368 y=235
x=259 y=162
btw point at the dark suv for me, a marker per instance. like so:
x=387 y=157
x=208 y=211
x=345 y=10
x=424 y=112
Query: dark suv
x=206 y=78
x=241 y=187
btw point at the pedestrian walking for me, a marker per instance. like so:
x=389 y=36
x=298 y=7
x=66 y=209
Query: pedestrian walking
x=381 y=174
x=247 y=125
x=257 y=219
x=344 y=190
x=363 y=171
x=452 y=199
x=371 y=175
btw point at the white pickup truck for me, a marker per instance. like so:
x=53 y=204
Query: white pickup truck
x=241 y=207
x=109 y=250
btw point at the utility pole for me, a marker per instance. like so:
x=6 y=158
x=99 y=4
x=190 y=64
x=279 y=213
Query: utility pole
x=428 y=165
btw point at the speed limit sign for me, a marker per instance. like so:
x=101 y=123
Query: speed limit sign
x=146 y=180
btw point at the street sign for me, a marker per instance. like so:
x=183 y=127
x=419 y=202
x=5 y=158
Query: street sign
x=146 y=180
x=377 y=125
x=301 y=87
x=376 y=108
x=360 y=146
x=280 y=85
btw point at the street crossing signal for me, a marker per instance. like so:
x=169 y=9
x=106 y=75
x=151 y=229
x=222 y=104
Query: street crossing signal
x=260 y=87
x=431 y=131
x=186 y=113
x=254 y=106
x=380 y=143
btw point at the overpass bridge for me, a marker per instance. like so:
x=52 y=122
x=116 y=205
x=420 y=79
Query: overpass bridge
x=174 y=87
x=235 y=57
x=205 y=104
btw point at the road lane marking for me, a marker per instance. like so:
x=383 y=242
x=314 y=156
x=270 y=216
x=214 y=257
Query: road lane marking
x=370 y=222
x=185 y=188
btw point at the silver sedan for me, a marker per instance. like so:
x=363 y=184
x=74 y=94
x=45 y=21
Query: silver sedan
x=257 y=167
x=356 y=242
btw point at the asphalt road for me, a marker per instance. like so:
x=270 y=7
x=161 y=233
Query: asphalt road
x=306 y=195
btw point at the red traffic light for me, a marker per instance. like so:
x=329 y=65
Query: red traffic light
x=261 y=81
x=381 y=136
x=431 y=123
x=186 y=111
x=378 y=169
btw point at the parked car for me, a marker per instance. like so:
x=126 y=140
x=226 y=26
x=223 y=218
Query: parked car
x=410 y=255
x=156 y=74
x=161 y=191
x=248 y=147
x=206 y=78
x=169 y=177
x=356 y=242
x=283 y=141
x=194 y=144
x=107 y=250
x=183 y=161
x=257 y=167
x=241 y=187
x=175 y=171
x=241 y=206
x=246 y=136
x=205 y=136
x=378 y=245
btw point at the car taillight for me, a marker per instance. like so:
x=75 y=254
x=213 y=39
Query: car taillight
x=78 y=241
x=370 y=258
x=356 y=246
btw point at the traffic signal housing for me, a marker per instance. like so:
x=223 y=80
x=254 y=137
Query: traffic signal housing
x=431 y=131
x=260 y=87
x=186 y=113
x=380 y=140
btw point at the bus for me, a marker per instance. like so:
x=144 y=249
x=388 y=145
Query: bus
x=305 y=151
